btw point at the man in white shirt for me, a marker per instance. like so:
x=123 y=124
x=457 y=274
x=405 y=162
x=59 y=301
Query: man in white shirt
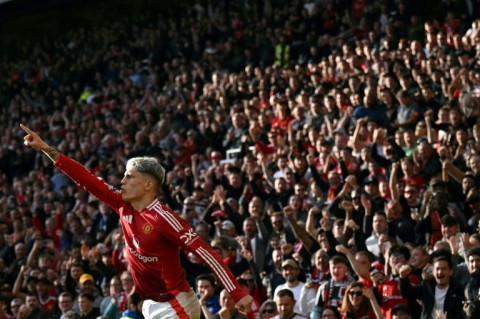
x=290 y=271
x=379 y=227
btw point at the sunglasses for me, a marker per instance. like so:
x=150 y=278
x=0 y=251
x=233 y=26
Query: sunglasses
x=355 y=293
x=268 y=311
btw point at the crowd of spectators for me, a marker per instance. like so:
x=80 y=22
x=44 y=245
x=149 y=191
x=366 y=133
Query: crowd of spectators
x=327 y=149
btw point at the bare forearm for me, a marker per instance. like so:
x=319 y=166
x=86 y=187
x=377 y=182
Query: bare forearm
x=51 y=152
x=301 y=233
x=310 y=225
x=393 y=185
x=453 y=171
x=206 y=312
x=358 y=268
x=34 y=141
x=376 y=309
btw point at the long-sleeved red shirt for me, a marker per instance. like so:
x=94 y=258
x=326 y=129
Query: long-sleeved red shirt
x=153 y=238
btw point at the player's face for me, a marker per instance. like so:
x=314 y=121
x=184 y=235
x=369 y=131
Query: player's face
x=133 y=185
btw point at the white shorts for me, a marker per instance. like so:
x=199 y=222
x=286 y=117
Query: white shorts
x=184 y=306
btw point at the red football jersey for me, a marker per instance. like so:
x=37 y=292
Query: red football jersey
x=153 y=238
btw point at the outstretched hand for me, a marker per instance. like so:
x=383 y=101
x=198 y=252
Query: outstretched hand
x=245 y=304
x=32 y=139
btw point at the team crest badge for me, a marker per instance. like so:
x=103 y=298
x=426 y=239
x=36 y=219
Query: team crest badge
x=147 y=229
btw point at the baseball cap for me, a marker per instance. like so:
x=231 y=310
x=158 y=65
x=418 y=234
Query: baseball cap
x=85 y=277
x=227 y=225
x=402 y=308
x=290 y=262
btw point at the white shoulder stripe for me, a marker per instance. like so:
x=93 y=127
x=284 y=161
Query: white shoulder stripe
x=152 y=204
x=219 y=271
x=168 y=217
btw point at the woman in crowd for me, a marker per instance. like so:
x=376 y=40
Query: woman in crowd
x=360 y=303
x=268 y=309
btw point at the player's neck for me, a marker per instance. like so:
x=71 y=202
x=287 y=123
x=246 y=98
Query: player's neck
x=141 y=203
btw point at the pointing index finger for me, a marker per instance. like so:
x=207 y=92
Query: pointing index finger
x=26 y=129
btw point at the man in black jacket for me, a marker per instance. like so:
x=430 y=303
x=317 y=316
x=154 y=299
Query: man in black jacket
x=438 y=294
x=470 y=271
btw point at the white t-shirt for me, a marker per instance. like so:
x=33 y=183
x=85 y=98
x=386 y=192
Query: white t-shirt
x=296 y=293
x=440 y=295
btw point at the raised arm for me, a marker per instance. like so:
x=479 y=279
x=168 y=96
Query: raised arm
x=264 y=162
x=33 y=140
x=359 y=269
x=393 y=181
x=75 y=171
x=379 y=139
x=310 y=224
x=356 y=142
x=428 y=123
x=368 y=292
x=17 y=286
x=329 y=125
x=408 y=292
x=453 y=171
x=299 y=232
